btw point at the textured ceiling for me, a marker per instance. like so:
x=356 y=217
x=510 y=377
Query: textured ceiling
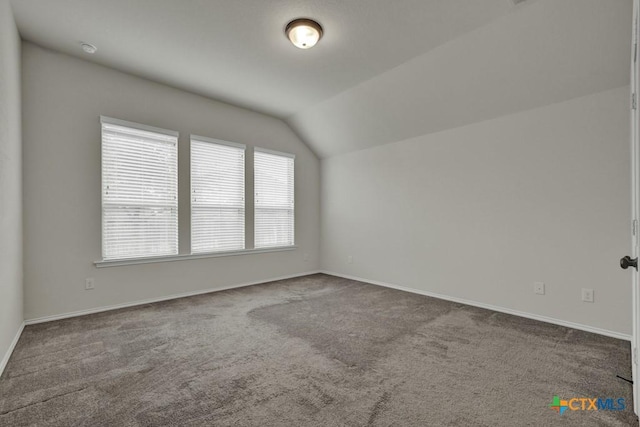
x=385 y=70
x=236 y=51
x=546 y=52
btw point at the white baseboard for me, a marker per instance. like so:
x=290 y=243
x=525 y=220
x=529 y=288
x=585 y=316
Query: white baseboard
x=9 y=352
x=158 y=299
x=546 y=319
x=541 y=318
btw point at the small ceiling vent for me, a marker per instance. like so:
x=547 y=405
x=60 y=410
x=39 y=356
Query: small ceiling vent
x=516 y=2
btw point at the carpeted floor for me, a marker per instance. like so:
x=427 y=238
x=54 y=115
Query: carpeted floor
x=316 y=351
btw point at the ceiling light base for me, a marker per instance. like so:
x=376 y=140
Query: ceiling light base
x=304 y=33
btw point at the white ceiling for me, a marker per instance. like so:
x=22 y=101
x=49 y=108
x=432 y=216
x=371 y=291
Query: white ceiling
x=547 y=52
x=384 y=71
x=236 y=50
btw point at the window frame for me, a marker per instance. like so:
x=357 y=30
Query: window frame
x=178 y=255
x=215 y=141
x=146 y=128
x=293 y=192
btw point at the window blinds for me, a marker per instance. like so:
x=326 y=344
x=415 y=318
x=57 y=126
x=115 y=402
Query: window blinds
x=274 y=200
x=217 y=190
x=139 y=190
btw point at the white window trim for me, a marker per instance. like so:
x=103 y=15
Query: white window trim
x=281 y=154
x=189 y=256
x=274 y=152
x=143 y=127
x=183 y=257
x=118 y=122
x=217 y=142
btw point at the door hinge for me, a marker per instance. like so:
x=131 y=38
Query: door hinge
x=633 y=101
x=634 y=226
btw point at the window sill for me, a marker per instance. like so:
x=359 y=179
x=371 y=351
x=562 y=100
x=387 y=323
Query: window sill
x=182 y=257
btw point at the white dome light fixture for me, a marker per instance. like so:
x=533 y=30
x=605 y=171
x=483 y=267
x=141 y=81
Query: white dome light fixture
x=304 y=33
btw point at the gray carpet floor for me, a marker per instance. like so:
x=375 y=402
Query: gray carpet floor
x=312 y=351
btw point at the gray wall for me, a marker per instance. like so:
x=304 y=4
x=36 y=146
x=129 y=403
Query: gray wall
x=10 y=181
x=482 y=211
x=63 y=98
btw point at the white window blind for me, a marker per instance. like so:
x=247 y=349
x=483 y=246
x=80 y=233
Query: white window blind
x=274 y=201
x=217 y=195
x=139 y=191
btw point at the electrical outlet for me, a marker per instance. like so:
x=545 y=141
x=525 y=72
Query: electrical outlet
x=538 y=288
x=306 y=257
x=587 y=295
x=89 y=284
x=349 y=259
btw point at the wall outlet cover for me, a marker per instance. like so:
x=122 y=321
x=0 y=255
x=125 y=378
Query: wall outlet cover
x=587 y=295
x=538 y=288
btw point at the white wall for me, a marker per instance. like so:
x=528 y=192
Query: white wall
x=10 y=181
x=63 y=98
x=481 y=212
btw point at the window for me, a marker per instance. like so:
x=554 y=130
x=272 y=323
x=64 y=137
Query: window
x=274 y=203
x=217 y=195
x=139 y=191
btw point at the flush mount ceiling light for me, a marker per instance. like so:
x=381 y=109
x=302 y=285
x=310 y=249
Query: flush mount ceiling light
x=88 y=48
x=303 y=33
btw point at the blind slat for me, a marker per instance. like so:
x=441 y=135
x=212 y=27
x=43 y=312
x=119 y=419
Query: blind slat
x=217 y=196
x=274 y=199
x=140 y=193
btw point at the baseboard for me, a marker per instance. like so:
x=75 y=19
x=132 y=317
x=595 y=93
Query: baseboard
x=532 y=316
x=9 y=352
x=159 y=299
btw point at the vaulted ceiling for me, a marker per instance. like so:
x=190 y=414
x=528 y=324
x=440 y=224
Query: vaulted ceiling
x=384 y=71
